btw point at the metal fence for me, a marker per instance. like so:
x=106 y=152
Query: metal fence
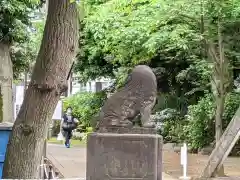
x=47 y=169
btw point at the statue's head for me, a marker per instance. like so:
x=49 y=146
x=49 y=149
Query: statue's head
x=141 y=74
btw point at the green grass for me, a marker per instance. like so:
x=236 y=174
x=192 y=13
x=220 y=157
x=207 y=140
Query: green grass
x=74 y=142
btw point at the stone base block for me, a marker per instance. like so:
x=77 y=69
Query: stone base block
x=112 y=156
x=134 y=130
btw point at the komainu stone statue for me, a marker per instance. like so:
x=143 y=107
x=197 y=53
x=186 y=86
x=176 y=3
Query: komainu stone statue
x=137 y=97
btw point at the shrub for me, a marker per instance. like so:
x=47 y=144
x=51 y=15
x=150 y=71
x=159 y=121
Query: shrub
x=85 y=106
x=172 y=101
x=169 y=114
x=56 y=127
x=200 y=130
x=171 y=125
x=232 y=103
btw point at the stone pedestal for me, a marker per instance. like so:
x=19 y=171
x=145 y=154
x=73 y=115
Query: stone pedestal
x=124 y=156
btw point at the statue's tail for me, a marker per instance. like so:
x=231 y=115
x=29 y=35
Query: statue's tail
x=97 y=126
x=98 y=123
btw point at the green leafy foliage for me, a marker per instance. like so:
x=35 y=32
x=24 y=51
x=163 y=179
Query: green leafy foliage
x=15 y=19
x=85 y=106
x=172 y=130
x=171 y=125
x=18 y=30
x=56 y=128
x=24 y=54
x=231 y=105
x=163 y=34
x=124 y=33
x=171 y=37
x=200 y=128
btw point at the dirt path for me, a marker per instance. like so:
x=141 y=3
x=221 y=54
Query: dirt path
x=72 y=162
x=196 y=162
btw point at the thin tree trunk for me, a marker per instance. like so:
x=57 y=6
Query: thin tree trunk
x=220 y=96
x=6 y=79
x=219 y=113
x=57 y=52
x=222 y=91
x=220 y=101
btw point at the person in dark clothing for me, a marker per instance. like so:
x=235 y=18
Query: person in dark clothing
x=68 y=124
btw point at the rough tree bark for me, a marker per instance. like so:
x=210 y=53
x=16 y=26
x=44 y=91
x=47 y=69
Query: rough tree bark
x=6 y=79
x=56 y=55
x=221 y=70
x=221 y=83
x=220 y=101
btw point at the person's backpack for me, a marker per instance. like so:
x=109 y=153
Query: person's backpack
x=68 y=126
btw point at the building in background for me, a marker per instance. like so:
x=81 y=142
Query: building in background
x=74 y=86
x=91 y=86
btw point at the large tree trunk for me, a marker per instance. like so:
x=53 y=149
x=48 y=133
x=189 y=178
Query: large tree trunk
x=49 y=80
x=6 y=79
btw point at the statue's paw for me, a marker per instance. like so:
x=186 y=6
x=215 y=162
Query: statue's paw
x=126 y=123
x=114 y=123
x=149 y=125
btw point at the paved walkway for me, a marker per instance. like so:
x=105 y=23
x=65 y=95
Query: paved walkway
x=72 y=162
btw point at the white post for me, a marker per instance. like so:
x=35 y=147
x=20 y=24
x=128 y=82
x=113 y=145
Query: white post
x=184 y=162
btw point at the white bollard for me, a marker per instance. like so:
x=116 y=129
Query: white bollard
x=184 y=162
